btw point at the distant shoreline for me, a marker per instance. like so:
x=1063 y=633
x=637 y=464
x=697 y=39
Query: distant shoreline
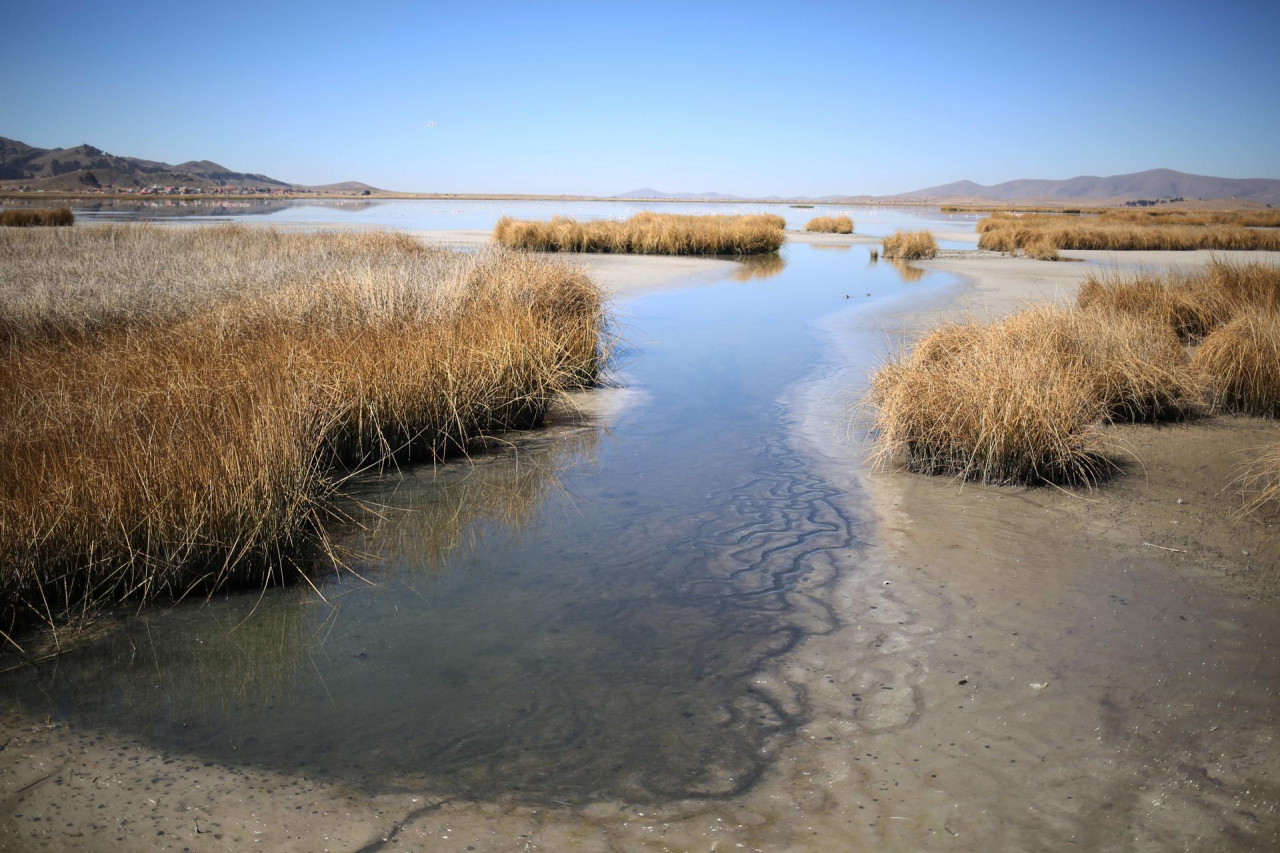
x=946 y=205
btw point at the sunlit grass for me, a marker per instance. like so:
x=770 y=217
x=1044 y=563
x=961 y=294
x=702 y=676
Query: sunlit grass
x=181 y=404
x=647 y=233
x=830 y=225
x=1022 y=400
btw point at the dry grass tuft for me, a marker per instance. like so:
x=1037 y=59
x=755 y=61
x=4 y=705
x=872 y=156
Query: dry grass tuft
x=647 y=233
x=1041 y=249
x=1261 y=482
x=29 y=218
x=181 y=404
x=974 y=403
x=910 y=245
x=1239 y=364
x=830 y=224
x=1021 y=400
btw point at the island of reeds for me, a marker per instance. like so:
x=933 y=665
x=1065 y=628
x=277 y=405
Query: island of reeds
x=830 y=225
x=1024 y=399
x=910 y=245
x=647 y=233
x=180 y=406
x=1120 y=230
x=19 y=218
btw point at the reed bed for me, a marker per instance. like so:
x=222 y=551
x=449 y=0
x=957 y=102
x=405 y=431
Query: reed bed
x=182 y=405
x=910 y=245
x=58 y=216
x=1022 y=400
x=647 y=233
x=830 y=224
x=1121 y=232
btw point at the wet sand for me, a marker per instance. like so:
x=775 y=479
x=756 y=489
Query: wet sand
x=1010 y=669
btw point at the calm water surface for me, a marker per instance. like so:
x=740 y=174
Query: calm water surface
x=575 y=616
x=436 y=215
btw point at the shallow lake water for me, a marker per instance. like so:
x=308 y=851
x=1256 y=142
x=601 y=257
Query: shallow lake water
x=574 y=616
x=482 y=214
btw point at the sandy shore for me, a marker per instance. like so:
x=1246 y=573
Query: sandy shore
x=1013 y=669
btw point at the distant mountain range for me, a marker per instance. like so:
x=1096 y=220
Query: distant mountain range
x=1152 y=184
x=87 y=167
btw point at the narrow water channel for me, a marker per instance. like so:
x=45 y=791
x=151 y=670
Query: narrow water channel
x=577 y=615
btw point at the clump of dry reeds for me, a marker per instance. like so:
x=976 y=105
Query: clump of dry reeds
x=1020 y=400
x=830 y=224
x=1191 y=303
x=180 y=404
x=974 y=402
x=1041 y=249
x=1239 y=364
x=910 y=245
x=1003 y=232
x=647 y=233
x=57 y=216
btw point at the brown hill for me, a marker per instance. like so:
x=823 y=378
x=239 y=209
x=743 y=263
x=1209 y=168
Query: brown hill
x=87 y=167
x=1152 y=184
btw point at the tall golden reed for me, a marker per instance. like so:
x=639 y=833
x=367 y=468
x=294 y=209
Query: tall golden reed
x=910 y=245
x=1021 y=400
x=1120 y=231
x=830 y=224
x=181 y=404
x=647 y=233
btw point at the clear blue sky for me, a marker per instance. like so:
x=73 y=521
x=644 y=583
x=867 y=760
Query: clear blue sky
x=785 y=98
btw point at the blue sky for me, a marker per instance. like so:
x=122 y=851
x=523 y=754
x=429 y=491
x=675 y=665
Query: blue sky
x=794 y=98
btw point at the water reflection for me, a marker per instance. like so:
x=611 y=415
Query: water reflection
x=908 y=273
x=752 y=267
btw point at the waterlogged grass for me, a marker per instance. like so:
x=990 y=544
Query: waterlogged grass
x=1129 y=230
x=180 y=406
x=1023 y=400
x=910 y=245
x=31 y=218
x=647 y=233
x=830 y=225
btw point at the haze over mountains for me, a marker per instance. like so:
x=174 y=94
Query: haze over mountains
x=85 y=167
x=1152 y=184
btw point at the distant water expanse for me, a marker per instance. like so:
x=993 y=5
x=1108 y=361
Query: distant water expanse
x=479 y=214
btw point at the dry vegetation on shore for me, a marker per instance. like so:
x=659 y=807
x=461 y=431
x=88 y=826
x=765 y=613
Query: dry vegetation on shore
x=1022 y=400
x=910 y=245
x=1123 y=230
x=19 y=218
x=179 y=405
x=830 y=224
x=647 y=233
